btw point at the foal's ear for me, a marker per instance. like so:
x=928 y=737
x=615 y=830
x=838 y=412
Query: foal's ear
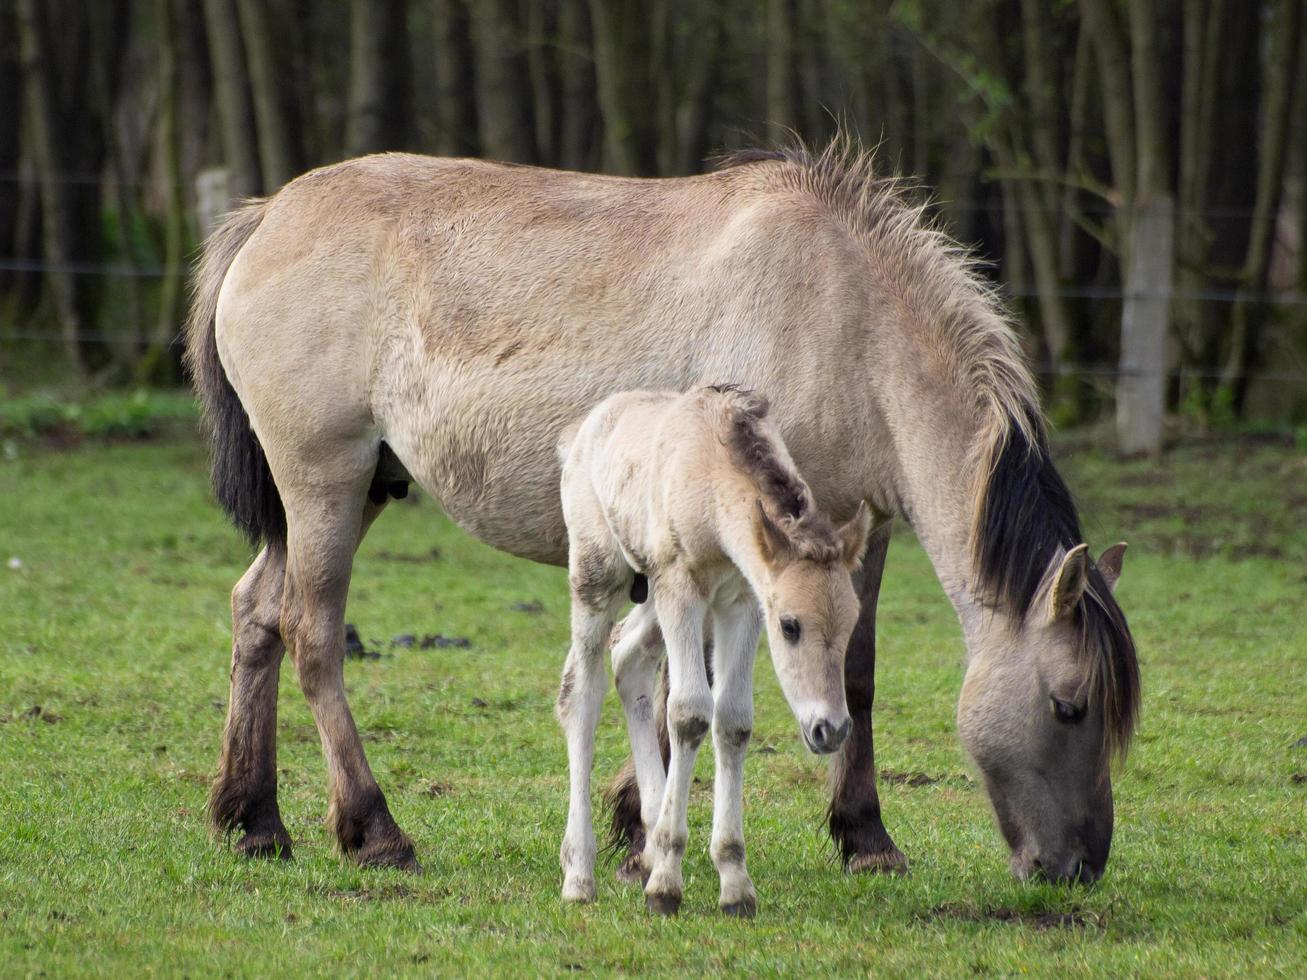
x=853 y=536
x=1069 y=583
x=1109 y=564
x=773 y=542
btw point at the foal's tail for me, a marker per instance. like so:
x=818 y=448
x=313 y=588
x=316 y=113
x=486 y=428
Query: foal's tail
x=241 y=478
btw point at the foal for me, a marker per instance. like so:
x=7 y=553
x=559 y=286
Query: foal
x=697 y=495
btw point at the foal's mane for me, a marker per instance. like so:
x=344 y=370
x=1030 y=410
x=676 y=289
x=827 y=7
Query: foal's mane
x=1024 y=515
x=784 y=494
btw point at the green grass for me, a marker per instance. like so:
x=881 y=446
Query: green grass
x=114 y=642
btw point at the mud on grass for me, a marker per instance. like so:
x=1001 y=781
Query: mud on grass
x=115 y=624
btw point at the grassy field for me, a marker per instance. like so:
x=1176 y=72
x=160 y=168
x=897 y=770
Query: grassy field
x=114 y=646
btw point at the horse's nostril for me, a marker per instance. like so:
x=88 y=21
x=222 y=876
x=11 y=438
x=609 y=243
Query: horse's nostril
x=820 y=734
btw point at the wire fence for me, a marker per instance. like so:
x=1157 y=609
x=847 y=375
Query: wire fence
x=142 y=338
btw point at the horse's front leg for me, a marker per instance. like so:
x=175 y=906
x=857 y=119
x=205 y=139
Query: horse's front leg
x=689 y=715
x=855 y=821
x=580 y=699
x=736 y=644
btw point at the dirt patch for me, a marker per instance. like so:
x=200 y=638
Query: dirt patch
x=438 y=641
x=1145 y=478
x=438 y=789
x=389 y=892
x=355 y=648
x=895 y=777
x=409 y=558
x=533 y=608
x=38 y=713
x=1072 y=918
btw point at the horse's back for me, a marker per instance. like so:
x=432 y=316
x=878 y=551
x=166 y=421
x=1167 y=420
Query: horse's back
x=467 y=312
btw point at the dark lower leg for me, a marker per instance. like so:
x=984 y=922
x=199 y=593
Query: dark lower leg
x=322 y=546
x=855 y=819
x=357 y=815
x=244 y=794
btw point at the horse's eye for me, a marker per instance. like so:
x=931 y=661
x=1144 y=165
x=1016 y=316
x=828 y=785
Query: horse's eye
x=790 y=629
x=1066 y=711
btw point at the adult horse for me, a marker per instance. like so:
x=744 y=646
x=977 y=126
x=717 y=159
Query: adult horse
x=462 y=313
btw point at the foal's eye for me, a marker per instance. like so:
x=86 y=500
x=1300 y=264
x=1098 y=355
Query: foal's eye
x=790 y=629
x=1067 y=711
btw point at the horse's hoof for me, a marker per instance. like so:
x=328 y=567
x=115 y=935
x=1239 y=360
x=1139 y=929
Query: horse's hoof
x=888 y=862
x=579 y=890
x=631 y=871
x=265 y=845
x=389 y=853
x=663 y=904
x=745 y=908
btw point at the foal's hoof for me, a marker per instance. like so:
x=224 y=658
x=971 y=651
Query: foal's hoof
x=579 y=890
x=389 y=852
x=274 y=845
x=631 y=871
x=745 y=908
x=663 y=904
x=887 y=862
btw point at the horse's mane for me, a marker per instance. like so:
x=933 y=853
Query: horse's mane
x=1026 y=519
x=787 y=498
x=1024 y=515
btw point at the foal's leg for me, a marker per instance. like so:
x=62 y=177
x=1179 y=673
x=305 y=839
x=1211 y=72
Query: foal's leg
x=689 y=714
x=579 y=701
x=855 y=822
x=636 y=657
x=244 y=795
x=325 y=522
x=736 y=633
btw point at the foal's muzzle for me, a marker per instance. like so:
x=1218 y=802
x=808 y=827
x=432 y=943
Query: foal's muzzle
x=825 y=736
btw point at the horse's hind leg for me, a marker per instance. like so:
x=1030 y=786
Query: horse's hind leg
x=636 y=656
x=855 y=821
x=325 y=521
x=244 y=796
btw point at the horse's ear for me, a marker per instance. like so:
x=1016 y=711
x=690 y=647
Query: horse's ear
x=853 y=536
x=1109 y=564
x=1069 y=583
x=773 y=542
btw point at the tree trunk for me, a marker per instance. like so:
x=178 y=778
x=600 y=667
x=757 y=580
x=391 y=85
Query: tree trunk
x=541 y=49
x=782 y=81
x=1141 y=391
x=456 y=104
x=503 y=82
x=10 y=147
x=231 y=86
x=1075 y=159
x=1201 y=31
x=156 y=366
x=281 y=155
x=378 y=77
x=1112 y=52
x=1281 y=72
x=622 y=71
x=59 y=219
x=577 y=74
x=702 y=58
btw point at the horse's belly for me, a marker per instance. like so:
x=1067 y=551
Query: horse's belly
x=484 y=444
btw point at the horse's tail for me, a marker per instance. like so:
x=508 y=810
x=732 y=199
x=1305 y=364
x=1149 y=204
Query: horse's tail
x=242 y=481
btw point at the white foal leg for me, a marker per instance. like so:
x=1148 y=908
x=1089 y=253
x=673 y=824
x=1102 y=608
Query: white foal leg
x=579 y=701
x=689 y=715
x=636 y=657
x=735 y=646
